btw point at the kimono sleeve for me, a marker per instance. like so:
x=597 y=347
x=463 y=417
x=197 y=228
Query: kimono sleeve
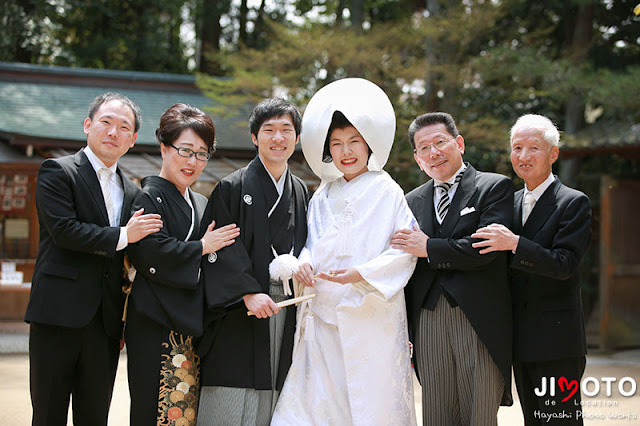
x=390 y=271
x=228 y=273
x=162 y=258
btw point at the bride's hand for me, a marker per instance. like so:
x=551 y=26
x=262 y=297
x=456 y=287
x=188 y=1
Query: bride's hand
x=342 y=276
x=305 y=275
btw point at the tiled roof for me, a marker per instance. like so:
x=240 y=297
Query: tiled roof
x=52 y=102
x=603 y=136
x=57 y=111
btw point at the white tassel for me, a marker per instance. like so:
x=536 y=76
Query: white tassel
x=282 y=268
x=309 y=328
x=344 y=238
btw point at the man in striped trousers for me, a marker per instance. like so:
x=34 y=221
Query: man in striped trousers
x=457 y=300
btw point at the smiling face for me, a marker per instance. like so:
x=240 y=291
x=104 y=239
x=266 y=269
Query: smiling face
x=110 y=133
x=276 y=141
x=439 y=163
x=183 y=171
x=349 y=151
x=532 y=156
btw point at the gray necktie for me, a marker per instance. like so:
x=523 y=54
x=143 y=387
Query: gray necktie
x=443 y=204
x=105 y=176
x=529 y=202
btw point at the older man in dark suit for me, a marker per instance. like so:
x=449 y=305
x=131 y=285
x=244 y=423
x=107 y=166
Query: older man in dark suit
x=76 y=302
x=457 y=300
x=552 y=229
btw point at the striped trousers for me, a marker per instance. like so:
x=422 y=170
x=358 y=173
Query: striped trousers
x=461 y=384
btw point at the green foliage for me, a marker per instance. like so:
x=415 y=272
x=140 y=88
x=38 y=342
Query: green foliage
x=24 y=31
x=485 y=62
x=119 y=34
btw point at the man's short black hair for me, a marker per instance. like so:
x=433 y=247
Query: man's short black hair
x=274 y=107
x=429 y=119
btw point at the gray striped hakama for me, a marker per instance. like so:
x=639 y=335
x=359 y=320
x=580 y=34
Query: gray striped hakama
x=225 y=406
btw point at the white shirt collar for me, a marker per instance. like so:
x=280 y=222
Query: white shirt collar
x=279 y=184
x=539 y=190
x=452 y=179
x=96 y=163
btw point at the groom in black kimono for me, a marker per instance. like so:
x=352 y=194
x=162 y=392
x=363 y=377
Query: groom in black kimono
x=245 y=359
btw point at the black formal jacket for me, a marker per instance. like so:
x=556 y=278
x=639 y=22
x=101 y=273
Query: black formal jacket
x=547 y=306
x=167 y=286
x=479 y=283
x=235 y=347
x=77 y=269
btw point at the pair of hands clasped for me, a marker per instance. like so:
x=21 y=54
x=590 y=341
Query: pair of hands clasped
x=263 y=306
x=341 y=276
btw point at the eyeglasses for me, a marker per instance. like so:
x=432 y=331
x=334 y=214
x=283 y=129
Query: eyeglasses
x=188 y=153
x=426 y=149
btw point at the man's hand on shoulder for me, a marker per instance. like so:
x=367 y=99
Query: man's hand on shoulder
x=140 y=225
x=495 y=237
x=412 y=241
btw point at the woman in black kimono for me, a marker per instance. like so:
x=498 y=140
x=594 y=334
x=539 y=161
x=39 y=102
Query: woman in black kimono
x=164 y=312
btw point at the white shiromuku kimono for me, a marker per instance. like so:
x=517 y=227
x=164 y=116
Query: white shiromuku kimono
x=351 y=361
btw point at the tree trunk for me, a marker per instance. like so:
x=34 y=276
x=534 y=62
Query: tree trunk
x=357 y=15
x=574 y=109
x=430 y=48
x=339 y=12
x=242 y=21
x=577 y=52
x=210 y=34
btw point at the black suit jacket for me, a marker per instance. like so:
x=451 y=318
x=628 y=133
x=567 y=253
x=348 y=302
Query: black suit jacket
x=479 y=283
x=77 y=269
x=167 y=286
x=548 y=318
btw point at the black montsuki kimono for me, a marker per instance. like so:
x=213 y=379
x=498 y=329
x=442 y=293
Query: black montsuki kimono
x=165 y=308
x=235 y=347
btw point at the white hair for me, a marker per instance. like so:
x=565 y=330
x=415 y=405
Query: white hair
x=550 y=132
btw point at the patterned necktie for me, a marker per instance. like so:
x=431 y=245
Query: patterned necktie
x=443 y=204
x=529 y=202
x=105 y=177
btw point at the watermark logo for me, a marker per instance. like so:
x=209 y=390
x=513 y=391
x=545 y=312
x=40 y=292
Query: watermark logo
x=590 y=386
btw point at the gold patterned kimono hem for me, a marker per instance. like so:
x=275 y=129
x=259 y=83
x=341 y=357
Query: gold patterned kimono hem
x=179 y=382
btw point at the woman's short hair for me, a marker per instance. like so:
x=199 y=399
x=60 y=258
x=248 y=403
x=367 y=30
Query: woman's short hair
x=180 y=117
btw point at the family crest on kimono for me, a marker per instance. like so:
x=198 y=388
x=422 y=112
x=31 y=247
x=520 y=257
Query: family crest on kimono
x=351 y=360
x=164 y=311
x=244 y=359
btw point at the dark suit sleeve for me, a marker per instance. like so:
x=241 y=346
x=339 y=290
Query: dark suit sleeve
x=570 y=242
x=162 y=258
x=57 y=212
x=230 y=275
x=456 y=253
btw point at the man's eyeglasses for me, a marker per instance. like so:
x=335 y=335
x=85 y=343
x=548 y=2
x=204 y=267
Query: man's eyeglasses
x=188 y=153
x=426 y=149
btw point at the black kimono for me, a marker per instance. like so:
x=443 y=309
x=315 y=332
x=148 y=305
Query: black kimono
x=235 y=348
x=165 y=308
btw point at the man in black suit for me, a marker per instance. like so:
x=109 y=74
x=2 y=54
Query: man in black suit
x=76 y=301
x=552 y=229
x=458 y=302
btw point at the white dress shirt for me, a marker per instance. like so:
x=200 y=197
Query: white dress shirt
x=116 y=191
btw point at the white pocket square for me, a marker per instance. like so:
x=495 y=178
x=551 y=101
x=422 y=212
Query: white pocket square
x=467 y=210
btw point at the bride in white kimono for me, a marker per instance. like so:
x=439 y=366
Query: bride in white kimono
x=351 y=360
